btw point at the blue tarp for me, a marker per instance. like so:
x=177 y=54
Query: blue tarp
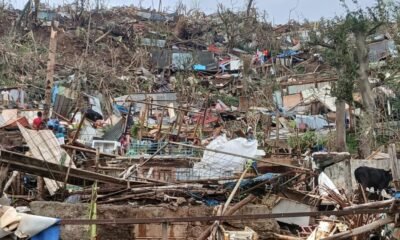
x=248 y=183
x=54 y=94
x=51 y=233
x=315 y=122
x=199 y=67
x=288 y=53
x=397 y=195
x=121 y=108
x=208 y=201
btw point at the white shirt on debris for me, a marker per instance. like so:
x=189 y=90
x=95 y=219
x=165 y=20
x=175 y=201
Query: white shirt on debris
x=6 y=95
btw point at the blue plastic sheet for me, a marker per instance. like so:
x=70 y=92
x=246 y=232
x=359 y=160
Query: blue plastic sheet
x=54 y=93
x=288 y=53
x=316 y=122
x=397 y=195
x=199 y=67
x=51 y=233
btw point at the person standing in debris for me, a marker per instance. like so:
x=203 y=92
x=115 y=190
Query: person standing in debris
x=6 y=97
x=250 y=134
x=266 y=55
x=38 y=122
x=124 y=141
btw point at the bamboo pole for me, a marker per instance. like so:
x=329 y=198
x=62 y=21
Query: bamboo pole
x=372 y=205
x=93 y=212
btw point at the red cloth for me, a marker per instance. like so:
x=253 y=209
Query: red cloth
x=37 y=122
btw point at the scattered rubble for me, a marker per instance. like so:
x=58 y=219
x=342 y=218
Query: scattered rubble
x=173 y=127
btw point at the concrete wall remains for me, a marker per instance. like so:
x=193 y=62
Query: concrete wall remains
x=146 y=231
x=335 y=172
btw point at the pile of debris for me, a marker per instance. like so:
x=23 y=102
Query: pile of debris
x=149 y=114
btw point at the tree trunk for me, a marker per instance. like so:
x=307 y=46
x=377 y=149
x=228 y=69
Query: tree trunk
x=340 y=126
x=35 y=13
x=249 y=5
x=50 y=72
x=367 y=120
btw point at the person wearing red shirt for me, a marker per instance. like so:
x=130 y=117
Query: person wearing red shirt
x=38 y=122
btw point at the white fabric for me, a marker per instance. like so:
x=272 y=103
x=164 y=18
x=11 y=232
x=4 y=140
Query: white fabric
x=21 y=224
x=325 y=182
x=30 y=225
x=9 y=219
x=215 y=165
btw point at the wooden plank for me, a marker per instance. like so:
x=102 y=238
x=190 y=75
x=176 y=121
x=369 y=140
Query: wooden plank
x=394 y=166
x=57 y=172
x=88 y=151
x=50 y=71
x=165 y=231
x=379 y=204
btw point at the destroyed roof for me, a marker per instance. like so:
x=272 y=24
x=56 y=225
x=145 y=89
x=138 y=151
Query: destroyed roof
x=161 y=98
x=322 y=95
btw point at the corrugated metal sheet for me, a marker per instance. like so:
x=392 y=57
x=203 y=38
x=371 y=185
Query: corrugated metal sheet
x=158 y=98
x=153 y=42
x=88 y=133
x=299 y=88
x=164 y=58
x=63 y=105
x=381 y=49
x=115 y=132
x=323 y=95
x=46 y=15
x=182 y=60
x=291 y=100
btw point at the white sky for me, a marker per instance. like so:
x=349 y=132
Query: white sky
x=278 y=10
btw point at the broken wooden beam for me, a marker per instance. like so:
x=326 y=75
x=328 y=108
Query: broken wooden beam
x=88 y=151
x=394 y=166
x=379 y=204
x=325 y=159
x=57 y=172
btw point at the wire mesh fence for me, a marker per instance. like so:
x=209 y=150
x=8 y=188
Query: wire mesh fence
x=151 y=147
x=213 y=163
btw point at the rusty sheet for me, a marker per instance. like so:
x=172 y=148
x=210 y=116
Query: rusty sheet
x=291 y=100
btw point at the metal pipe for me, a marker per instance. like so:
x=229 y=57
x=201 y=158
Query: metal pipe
x=219 y=218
